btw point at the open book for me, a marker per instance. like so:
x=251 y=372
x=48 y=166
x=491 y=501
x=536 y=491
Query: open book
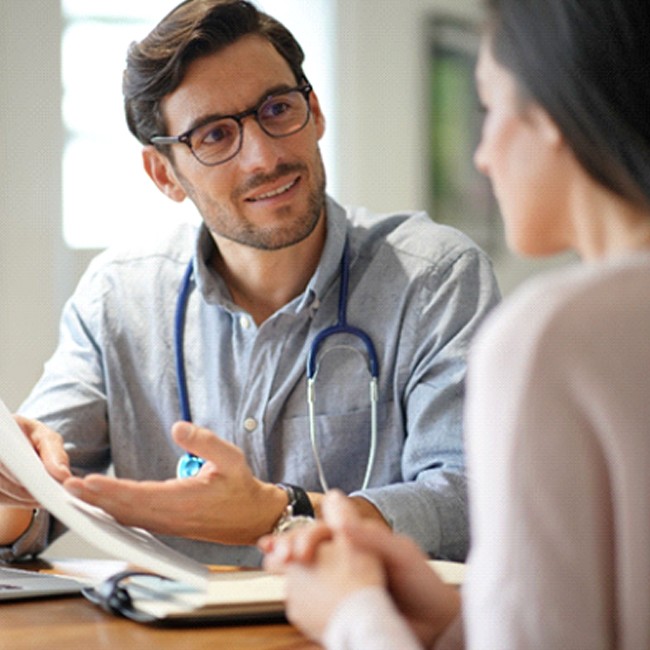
x=190 y=590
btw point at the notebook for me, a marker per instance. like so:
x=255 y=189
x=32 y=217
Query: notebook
x=233 y=596
x=19 y=584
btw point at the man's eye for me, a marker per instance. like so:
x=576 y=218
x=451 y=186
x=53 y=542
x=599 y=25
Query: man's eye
x=216 y=133
x=276 y=108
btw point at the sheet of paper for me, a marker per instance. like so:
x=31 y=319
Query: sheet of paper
x=132 y=545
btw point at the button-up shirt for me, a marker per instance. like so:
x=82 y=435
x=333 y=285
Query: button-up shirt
x=418 y=289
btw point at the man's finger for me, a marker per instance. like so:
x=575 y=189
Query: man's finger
x=49 y=446
x=205 y=444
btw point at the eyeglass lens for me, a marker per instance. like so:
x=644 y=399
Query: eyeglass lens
x=279 y=116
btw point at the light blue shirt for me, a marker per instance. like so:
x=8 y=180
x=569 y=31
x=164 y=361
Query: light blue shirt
x=420 y=290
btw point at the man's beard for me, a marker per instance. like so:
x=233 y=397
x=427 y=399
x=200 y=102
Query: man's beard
x=223 y=224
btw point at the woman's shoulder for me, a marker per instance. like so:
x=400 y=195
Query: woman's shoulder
x=583 y=302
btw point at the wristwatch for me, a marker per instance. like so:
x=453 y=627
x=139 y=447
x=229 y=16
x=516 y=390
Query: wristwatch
x=298 y=512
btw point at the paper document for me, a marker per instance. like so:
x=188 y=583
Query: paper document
x=98 y=528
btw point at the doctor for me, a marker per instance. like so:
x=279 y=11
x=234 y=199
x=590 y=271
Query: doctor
x=218 y=98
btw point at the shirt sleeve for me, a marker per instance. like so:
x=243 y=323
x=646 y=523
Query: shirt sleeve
x=70 y=397
x=430 y=505
x=369 y=619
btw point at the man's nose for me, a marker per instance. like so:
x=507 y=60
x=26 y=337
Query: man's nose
x=259 y=150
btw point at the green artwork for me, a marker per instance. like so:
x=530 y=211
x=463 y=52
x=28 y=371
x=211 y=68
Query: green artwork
x=460 y=195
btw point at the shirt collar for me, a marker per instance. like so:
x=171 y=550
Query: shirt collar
x=213 y=289
x=208 y=282
x=328 y=267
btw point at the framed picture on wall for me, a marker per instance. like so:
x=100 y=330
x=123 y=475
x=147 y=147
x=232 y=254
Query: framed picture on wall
x=460 y=196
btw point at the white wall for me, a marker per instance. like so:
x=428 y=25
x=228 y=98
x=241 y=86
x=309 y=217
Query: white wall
x=29 y=196
x=382 y=106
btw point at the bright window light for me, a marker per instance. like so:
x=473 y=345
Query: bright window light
x=107 y=196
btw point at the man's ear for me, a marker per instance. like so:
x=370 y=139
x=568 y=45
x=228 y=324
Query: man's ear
x=319 y=118
x=161 y=172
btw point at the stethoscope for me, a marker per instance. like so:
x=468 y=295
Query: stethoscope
x=189 y=464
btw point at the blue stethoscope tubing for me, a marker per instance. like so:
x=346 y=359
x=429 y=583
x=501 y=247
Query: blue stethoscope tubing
x=342 y=327
x=189 y=464
x=179 y=330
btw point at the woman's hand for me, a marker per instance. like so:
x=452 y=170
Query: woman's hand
x=329 y=560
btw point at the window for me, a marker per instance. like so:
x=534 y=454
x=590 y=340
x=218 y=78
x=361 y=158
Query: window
x=107 y=196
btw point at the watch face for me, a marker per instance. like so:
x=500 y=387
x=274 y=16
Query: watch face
x=294 y=522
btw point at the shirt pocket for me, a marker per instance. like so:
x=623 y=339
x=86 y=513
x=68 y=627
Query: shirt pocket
x=342 y=442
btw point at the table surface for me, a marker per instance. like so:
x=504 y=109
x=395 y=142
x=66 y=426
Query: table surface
x=71 y=623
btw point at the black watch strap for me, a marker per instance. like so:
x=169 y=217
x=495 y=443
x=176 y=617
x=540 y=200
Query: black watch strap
x=298 y=500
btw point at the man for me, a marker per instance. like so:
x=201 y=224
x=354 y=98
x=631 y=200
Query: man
x=217 y=96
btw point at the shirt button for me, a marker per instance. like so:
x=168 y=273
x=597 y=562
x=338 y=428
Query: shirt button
x=245 y=322
x=250 y=424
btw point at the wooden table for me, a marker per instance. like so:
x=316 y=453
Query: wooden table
x=73 y=623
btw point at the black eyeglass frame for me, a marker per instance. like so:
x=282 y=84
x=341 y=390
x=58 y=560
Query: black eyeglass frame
x=186 y=137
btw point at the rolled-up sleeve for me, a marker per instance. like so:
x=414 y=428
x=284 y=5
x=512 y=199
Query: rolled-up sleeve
x=431 y=503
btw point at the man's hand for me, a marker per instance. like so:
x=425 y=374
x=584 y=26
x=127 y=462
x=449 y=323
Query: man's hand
x=16 y=503
x=223 y=503
x=49 y=446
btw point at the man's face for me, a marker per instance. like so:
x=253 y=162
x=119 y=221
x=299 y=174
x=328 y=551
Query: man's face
x=271 y=194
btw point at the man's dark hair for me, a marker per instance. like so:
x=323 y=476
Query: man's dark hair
x=156 y=65
x=587 y=63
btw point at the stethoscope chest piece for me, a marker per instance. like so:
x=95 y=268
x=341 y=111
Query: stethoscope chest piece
x=188 y=465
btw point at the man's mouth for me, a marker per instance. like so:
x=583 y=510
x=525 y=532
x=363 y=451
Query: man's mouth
x=273 y=193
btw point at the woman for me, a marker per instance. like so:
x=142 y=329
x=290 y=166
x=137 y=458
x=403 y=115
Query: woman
x=558 y=412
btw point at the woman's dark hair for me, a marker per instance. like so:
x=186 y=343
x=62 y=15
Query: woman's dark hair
x=587 y=63
x=195 y=28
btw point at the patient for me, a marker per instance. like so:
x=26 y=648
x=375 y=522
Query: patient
x=558 y=411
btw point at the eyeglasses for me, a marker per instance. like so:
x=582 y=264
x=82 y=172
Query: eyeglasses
x=219 y=140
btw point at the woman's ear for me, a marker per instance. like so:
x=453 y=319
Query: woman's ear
x=548 y=128
x=161 y=172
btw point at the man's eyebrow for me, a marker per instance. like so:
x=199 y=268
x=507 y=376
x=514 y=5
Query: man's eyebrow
x=268 y=92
